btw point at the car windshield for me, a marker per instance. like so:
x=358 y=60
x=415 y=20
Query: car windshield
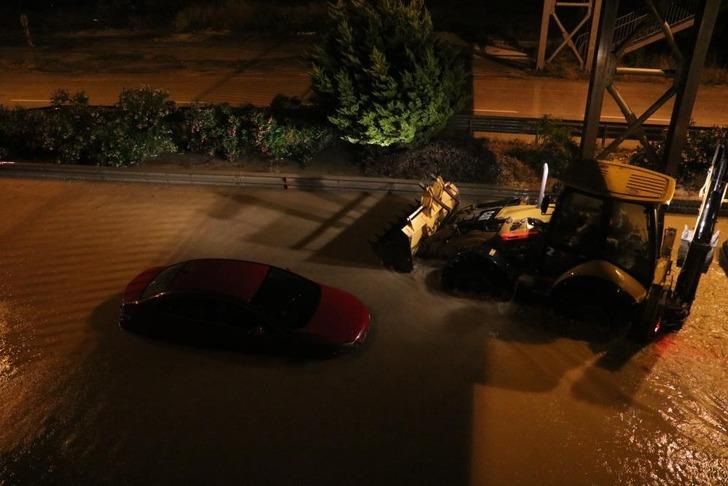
x=612 y=230
x=162 y=281
x=289 y=299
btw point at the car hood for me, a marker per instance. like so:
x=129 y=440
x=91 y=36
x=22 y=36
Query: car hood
x=339 y=319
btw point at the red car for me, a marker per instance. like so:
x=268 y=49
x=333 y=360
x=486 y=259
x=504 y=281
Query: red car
x=233 y=300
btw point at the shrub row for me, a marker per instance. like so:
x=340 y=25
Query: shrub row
x=145 y=123
x=697 y=155
x=222 y=131
x=71 y=131
x=553 y=145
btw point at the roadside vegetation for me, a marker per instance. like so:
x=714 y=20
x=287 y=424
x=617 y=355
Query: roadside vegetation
x=697 y=155
x=385 y=86
x=144 y=123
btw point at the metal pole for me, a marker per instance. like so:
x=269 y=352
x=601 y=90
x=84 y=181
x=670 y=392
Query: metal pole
x=596 y=13
x=687 y=86
x=548 y=8
x=602 y=72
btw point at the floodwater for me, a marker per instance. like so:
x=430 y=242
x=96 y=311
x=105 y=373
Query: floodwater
x=446 y=391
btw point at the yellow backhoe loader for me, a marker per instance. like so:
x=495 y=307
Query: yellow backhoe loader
x=601 y=250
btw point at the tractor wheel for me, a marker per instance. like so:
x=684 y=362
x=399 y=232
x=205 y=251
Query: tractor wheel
x=594 y=303
x=647 y=325
x=472 y=274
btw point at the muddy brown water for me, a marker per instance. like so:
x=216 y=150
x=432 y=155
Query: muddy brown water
x=446 y=391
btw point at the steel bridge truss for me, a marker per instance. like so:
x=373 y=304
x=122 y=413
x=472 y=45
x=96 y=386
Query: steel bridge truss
x=583 y=28
x=686 y=77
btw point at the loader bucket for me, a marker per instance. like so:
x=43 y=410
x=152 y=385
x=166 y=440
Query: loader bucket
x=399 y=244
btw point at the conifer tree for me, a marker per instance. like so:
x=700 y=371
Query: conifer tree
x=382 y=74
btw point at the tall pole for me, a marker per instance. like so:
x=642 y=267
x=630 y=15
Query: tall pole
x=593 y=30
x=687 y=85
x=548 y=8
x=602 y=71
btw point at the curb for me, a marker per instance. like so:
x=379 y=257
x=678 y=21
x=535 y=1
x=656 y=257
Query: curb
x=24 y=170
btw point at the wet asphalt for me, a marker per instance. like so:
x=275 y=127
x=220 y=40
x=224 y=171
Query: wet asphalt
x=447 y=390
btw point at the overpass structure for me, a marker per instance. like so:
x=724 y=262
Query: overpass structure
x=579 y=36
x=611 y=45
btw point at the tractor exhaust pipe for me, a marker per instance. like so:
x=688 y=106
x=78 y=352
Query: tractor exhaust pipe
x=544 y=180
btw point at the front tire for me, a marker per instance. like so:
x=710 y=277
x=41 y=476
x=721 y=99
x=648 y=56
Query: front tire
x=471 y=273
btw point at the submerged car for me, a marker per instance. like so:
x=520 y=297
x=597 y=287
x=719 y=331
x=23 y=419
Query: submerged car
x=242 y=302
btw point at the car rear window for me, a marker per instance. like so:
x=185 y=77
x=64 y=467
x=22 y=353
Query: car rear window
x=289 y=299
x=162 y=281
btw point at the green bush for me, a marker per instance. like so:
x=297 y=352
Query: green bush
x=136 y=129
x=697 y=155
x=68 y=130
x=7 y=124
x=217 y=130
x=287 y=139
x=20 y=133
x=144 y=124
x=72 y=132
x=284 y=132
x=382 y=74
x=553 y=145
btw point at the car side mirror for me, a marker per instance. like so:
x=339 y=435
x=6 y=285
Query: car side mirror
x=545 y=202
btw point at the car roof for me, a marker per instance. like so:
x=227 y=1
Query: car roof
x=233 y=278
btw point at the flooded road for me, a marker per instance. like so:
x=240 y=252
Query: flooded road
x=446 y=391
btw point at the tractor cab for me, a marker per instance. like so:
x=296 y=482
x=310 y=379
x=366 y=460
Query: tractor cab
x=602 y=245
x=586 y=227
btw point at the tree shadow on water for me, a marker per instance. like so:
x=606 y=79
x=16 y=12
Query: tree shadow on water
x=353 y=245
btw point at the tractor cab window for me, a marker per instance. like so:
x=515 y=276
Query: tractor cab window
x=588 y=227
x=628 y=239
x=578 y=224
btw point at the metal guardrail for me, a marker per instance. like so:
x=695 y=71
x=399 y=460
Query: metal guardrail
x=253 y=180
x=530 y=126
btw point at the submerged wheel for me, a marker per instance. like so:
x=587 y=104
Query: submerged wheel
x=648 y=325
x=473 y=273
x=594 y=302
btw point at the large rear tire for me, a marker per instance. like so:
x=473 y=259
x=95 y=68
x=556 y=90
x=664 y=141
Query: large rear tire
x=475 y=274
x=648 y=323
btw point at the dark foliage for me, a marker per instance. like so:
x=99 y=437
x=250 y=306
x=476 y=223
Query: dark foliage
x=285 y=139
x=553 y=145
x=144 y=124
x=72 y=132
x=462 y=160
x=288 y=130
x=217 y=130
x=697 y=155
